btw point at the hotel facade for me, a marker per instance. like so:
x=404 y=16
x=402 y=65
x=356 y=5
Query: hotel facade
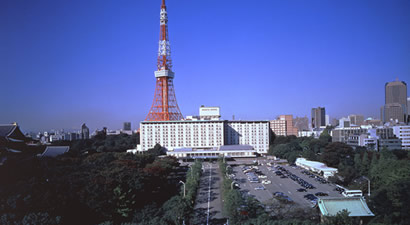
x=204 y=134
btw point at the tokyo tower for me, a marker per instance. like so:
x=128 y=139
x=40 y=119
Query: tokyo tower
x=164 y=107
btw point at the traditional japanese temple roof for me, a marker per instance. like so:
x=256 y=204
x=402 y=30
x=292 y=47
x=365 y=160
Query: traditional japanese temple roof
x=355 y=205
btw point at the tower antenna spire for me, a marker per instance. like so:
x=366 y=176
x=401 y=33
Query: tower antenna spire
x=164 y=106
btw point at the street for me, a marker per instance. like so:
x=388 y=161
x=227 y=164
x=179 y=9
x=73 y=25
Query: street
x=208 y=208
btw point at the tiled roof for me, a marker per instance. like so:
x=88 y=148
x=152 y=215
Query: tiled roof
x=6 y=129
x=53 y=151
x=355 y=205
x=12 y=133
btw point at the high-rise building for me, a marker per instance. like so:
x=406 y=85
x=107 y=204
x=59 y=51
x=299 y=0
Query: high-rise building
x=318 y=117
x=395 y=108
x=127 y=126
x=85 y=132
x=356 y=119
x=278 y=127
x=301 y=123
x=408 y=110
x=204 y=134
x=284 y=126
x=164 y=106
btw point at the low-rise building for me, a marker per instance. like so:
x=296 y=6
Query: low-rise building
x=226 y=151
x=316 y=167
x=390 y=144
x=403 y=133
x=342 y=134
x=311 y=133
x=356 y=206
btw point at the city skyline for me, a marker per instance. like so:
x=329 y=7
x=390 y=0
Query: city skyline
x=67 y=65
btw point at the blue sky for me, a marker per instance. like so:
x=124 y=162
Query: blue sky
x=63 y=63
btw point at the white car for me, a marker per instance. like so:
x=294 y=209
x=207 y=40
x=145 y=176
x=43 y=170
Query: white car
x=260 y=188
x=262 y=176
x=266 y=182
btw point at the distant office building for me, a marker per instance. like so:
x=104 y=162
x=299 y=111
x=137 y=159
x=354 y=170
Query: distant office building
x=396 y=92
x=344 y=122
x=373 y=122
x=390 y=144
x=403 y=133
x=327 y=120
x=310 y=133
x=347 y=134
x=113 y=132
x=70 y=136
x=356 y=119
x=395 y=108
x=301 y=123
x=372 y=138
x=318 y=117
x=127 y=126
x=284 y=126
x=85 y=132
x=334 y=122
x=278 y=127
x=408 y=110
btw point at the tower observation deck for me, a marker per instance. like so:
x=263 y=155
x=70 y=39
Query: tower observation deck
x=164 y=107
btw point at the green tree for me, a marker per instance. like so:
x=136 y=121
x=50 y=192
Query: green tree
x=365 y=164
x=325 y=135
x=337 y=152
x=374 y=160
x=357 y=162
x=176 y=210
x=341 y=218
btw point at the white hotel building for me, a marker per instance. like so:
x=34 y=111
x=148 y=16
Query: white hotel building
x=206 y=133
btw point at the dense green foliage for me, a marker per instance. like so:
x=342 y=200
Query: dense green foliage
x=104 y=143
x=88 y=189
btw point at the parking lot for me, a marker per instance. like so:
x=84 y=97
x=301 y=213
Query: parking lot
x=281 y=181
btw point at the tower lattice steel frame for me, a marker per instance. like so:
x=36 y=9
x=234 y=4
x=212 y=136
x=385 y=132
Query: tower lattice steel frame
x=164 y=107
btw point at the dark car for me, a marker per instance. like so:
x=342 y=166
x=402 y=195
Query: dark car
x=278 y=193
x=310 y=197
x=321 y=194
x=301 y=190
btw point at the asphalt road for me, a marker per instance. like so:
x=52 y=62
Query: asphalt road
x=208 y=207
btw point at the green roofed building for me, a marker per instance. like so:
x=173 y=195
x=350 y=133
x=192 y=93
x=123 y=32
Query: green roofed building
x=356 y=206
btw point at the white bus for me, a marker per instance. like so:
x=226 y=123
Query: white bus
x=352 y=193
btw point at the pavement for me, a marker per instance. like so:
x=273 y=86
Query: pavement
x=208 y=207
x=284 y=185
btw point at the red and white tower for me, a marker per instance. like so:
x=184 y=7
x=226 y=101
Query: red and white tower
x=164 y=107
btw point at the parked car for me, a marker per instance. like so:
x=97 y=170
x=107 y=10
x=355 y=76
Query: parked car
x=301 y=190
x=260 y=188
x=321 y=194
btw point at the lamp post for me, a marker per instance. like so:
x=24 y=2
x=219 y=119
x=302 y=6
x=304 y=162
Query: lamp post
x=232 y=184
x=226 y=172
x=184 y=186
x=368 y=185
x=192 y=175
